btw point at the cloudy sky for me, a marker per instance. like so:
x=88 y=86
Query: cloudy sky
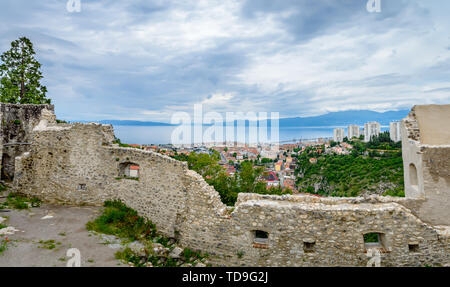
x=145 y=60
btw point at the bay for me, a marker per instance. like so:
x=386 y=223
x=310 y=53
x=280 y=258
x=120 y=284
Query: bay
x=162 y=134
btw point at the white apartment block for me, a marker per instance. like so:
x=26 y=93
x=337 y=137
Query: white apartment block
x=394 y=131
x=352 y=131
x=371 y=129
x=338 y=135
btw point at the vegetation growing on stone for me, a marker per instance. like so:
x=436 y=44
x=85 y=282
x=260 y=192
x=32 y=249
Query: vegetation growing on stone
x=19 y=201
x=4 y=244
x=119 y=220
x=122 y=221
x=48 y=244
x=2 y=187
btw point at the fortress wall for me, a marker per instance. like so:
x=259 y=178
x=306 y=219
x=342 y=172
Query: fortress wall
x=433 y=121
x=302 y=230
x=426 y=161
x=76 y=164
x=17 y=122
x=436 y=178
x=412 y=157
x=336 y=230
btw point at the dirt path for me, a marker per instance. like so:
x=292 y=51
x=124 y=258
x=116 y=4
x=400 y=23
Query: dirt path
x=46 y=233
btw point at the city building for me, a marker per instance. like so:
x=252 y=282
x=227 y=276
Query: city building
x=371 y=129
x=133 y=171
x=352 y=131
x=394 y=131
x=338 y=135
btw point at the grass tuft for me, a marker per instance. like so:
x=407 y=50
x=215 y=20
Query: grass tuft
x=119 y=220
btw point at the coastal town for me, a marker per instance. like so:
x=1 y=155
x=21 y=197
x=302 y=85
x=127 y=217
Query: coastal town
x=280 y=160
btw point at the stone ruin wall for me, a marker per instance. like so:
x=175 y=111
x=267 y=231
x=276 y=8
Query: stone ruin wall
x=426 y=147
x=78 y=164
x=17 y=122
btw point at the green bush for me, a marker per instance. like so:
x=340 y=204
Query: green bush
x=18 y=201
x=122 y=221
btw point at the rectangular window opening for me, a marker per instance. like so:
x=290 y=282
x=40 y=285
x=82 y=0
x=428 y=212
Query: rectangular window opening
x=309 y=247
x=260 y=239
x=413 y=247
x=374 y=240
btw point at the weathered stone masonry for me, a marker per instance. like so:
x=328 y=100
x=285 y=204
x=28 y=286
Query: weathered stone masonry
x=17 y=122
x=79 y=164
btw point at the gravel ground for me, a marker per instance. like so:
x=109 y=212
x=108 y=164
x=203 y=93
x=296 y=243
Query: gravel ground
x=65 y=225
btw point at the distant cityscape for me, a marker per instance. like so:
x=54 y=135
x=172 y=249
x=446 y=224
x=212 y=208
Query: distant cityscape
x=369 y=130
x=280 y=159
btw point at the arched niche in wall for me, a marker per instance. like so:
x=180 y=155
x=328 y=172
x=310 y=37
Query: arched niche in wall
x=129 y=170
x=413 y=178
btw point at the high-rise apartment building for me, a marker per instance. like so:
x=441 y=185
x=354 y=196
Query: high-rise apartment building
x=394 y=131
x=371 y=129
x=352 y=131
x=338 y=135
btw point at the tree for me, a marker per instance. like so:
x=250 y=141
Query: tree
x=20 y=75
x=249 y=178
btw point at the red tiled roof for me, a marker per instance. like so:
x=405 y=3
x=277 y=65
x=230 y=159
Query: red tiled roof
x=134 y=167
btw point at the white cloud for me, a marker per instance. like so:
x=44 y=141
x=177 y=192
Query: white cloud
x=147 y=59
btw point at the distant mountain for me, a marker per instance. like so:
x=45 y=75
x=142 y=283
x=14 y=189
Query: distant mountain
x=358 y=117
x=345 y=118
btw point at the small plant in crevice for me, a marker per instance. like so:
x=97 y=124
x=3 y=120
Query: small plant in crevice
x=48 y=244
x=4 y=244
x=3 y=188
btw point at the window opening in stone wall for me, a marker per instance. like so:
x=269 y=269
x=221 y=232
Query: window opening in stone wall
x=309 y=246
x=129 y=170
x=260 y=239
x=374 y=240
x=413 y=247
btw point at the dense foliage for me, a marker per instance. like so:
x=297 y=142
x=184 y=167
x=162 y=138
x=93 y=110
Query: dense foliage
x=20 y=75
x=247 y=178
x=374 y=167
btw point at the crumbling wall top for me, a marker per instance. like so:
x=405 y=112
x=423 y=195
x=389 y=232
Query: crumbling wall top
x=428 y=124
